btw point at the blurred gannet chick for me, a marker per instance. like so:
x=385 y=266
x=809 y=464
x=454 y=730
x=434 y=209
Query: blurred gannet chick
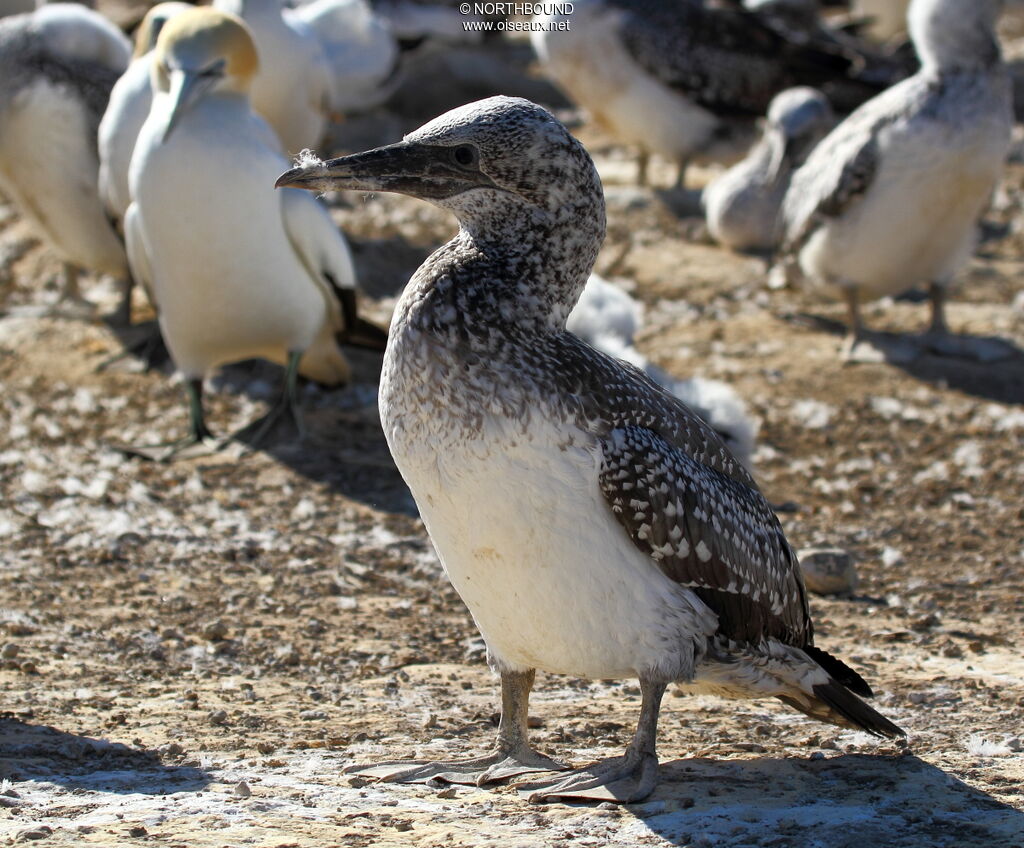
x=892 y=196
x=607 y=318
x=662 y=74
x=593 y=525
x=742 y=206
x=57 y=67
x=235 y=270
x=292 y=88
x=126 y=112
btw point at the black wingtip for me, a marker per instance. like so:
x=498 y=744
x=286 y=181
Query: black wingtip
x=842 y=701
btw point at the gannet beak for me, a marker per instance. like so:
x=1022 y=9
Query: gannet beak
x=186 y=88
x=419 y=170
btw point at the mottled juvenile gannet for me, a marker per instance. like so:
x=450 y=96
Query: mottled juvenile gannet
x=607 y=318
x=127 y=110
x=57 y=66
x=660 y=74
x=892 y=196
x=742 y=206
x=593 y=525
x=234 y=269
x=293 y=87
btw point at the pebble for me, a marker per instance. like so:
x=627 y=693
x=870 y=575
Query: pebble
x=218 y=717
x=242 y=790
x=33 y=834
x=137 y=831
x=828 y=571
x=214 y=631
x=9 y=651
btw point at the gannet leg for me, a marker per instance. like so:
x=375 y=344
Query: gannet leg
x=286 y=410
x=680 y=182
x=937 y=294
x=122 y=316
x=855 y=331
x=643 y=159
x=623 y=779
x=70 y=303
x=199 y=441
x=512 y=756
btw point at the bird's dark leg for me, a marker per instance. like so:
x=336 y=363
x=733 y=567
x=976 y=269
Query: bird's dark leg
x=680 y=182
x=512 y=756
x=122 y=316
x=937 y=294
x=285 y=411
x=199 y=441
x=643 y=159
x=855 y=331
x=623 y=779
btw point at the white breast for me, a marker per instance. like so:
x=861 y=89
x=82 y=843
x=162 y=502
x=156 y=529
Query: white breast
x=126 y=113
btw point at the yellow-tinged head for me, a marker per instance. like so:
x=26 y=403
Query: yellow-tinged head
x=149 y=30
x=200 y=50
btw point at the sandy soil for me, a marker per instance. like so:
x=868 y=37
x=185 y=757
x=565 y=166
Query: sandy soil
x=192 y=653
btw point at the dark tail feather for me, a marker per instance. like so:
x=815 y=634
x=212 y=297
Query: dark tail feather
x=836 y=704
x=365 y=334
x=840 y=671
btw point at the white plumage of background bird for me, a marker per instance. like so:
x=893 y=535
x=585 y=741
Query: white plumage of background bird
x=57 y=67
x=742 y=205
x=235 y=270
x=892 y=197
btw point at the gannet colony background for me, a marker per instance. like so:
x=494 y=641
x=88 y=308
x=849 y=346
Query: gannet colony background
x=317 y=526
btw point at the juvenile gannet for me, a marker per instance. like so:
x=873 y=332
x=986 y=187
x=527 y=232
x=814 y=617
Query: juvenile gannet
x=293 y=87
x=892 y=196
x=607 y=318
x=127 y=110
x=660 y=74
x=235 y=270
x=742 y=206
x=57 y=66
x=593 y=525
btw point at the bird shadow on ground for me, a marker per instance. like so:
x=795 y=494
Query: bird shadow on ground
x=847 y=801
x=986 y=367
x=31 y=752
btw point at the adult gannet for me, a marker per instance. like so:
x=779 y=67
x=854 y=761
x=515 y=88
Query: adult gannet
x=607 y=318
x=593 y=525
x=892 y=196
x=57 y=66
x=293 y=87
x=660 y=74
x=742 y=206
x=235 y=270
x=127 y=110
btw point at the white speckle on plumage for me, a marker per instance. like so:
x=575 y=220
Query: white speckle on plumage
x=515 y=452
x=892 y=196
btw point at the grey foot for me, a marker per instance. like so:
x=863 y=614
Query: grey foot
x=622 y=780
x=497 y=767
x=187 y=448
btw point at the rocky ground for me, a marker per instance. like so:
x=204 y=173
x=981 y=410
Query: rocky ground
x=192 y=653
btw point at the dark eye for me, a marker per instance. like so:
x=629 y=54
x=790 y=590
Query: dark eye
x=465 y=155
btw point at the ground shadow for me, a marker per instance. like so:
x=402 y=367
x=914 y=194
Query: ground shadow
x=31 y=752
x=990 y=367
x=848 y=801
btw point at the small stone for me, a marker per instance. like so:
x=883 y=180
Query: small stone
x=403 y=825
x=137 y=831
x=242 y=790
x=33 y=834
x=28 y=667
x=9 y=651
x=218 y=717
x=448 y=793
x=171 y=749
x=430 y=721
x=215 y=631
x=312 y=715
x=817 y=755
x=266 y=747
x=357 y=782
x=828 y=571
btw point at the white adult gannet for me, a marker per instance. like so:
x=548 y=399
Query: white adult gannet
x=360 y=48
x=607 y=318
x=891 y=197
x=235 y=270
x=660 y=74
x=593 y=525
x=57 y=66
x=742 y=205
x=127 y=109
x=292 y=89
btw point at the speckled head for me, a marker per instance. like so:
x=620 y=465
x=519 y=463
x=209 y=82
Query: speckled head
x=198 y=51
x=487 y=155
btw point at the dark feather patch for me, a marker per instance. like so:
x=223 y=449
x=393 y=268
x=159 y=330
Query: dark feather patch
x=840 y=671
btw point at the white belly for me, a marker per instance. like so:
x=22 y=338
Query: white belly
x=551 y=579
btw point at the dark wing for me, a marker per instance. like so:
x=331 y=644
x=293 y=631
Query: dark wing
x=733 y=62
x=708 y=532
